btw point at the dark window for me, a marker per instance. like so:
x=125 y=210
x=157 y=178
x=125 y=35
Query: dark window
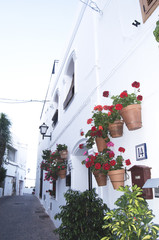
x=55 y=118
x=70 y=94
x=68 y=180
x=147 y=8
x=41 y=183
x=54 y=189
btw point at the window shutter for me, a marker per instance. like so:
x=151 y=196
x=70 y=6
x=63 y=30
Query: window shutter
x=55 y=118
x=147 y=8
x=70 y=94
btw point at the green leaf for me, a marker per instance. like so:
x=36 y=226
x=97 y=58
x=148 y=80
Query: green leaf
x=147 y=237
x=155 y=227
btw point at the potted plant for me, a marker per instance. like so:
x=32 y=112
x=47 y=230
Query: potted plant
x=49 y=165
x=129 y=106
x=103 y=164
x=46 y=159
x=52 y=166
x=99 y=129
x=62 y=149
x=115 y=122
x=116 y=170
x=56 y=156
x=61 y=167
x=51 y=172
x=132 y=219
x=96 y=163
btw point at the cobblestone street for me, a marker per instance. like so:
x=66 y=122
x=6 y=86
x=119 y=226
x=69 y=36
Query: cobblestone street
x=24 y=218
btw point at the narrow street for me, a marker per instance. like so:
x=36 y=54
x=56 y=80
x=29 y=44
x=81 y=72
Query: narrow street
x=24 y=218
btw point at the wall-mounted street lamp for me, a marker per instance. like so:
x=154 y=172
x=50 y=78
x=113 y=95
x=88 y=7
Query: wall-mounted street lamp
x=43 y=129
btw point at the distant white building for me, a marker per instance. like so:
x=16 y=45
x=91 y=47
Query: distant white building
x=112 y=45
x=15 y=163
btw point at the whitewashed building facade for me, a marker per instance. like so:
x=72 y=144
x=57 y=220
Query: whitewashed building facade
x=112 y=45
x=15 y=163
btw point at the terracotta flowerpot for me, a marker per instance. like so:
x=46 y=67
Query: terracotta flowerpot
x=62 y=173
x=116 y=128
x=101 y=143
x=117 y=177
x=63 y=154
x=132 y=116
x=101 y=178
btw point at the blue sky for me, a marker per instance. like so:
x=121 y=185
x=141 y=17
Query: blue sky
x=32 y=35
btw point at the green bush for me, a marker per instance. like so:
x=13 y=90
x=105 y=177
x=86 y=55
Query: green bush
x=82 y=216
x=132 y=220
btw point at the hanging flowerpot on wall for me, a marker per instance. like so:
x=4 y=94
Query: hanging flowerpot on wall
x=62 y=173
x=64 y=154
x=116 y=128
x=101 y=178
x=101 y=143
x=132 y=116
x=117 y=177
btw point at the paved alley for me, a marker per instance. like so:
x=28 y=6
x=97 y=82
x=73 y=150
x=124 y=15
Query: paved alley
x=24 y=218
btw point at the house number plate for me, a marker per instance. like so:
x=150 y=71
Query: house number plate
x=141 y=152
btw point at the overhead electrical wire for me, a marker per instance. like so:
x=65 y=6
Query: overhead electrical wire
x=16 y=101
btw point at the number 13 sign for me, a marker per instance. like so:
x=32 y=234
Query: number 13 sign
x=141 y=152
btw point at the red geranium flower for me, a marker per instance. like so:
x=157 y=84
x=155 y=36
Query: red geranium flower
x=81 y=146
x=100 y=128
x=118 y=106
x=124 y=94
x=97 y=166
x=82 y=133
x=110 y=108
x=112 y=162
x=105 y=107
x=93 y=134
x=93 y=129
x=121 y=149
x=89 y=120
x=106 y=166
x=127 y=162
x=99 y=133
x=88 y=164
x=135 y=84
x=93 y=158
x=139 y=98
x=109 y=113
x=98 y=107
x=105 y=93
x=111 y=154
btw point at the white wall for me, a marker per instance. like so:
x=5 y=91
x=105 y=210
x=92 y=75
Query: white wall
x=109 y=54
x=16 y=169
